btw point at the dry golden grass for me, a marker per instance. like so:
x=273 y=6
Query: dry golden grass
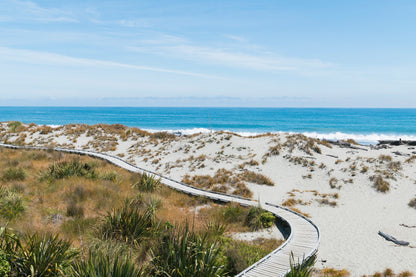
x=380 y=184
x=72 y=206
x=331 y=272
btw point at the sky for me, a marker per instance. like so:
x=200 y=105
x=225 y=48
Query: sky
x=208 y=53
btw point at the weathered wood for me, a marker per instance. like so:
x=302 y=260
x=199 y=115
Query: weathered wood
x=393 y=239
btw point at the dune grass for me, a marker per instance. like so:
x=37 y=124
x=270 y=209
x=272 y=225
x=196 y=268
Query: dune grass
x=109 y=221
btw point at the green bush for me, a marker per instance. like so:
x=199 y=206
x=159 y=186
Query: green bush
x=35 y=255
x=128 y=224
x=11 y=204
x=241 y=254
x=13 y=125
x=4 y=264
x=67 y=169
x=100 y=264
x=301 y=269
x=257 y=218
x=182 y=252
x=147 y=183
x=14 y=174
x=233 y=213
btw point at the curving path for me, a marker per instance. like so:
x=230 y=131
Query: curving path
x=303 y=240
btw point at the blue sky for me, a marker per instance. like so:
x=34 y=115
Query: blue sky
x=202 y=53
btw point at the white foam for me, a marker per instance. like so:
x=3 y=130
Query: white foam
x=361 y=138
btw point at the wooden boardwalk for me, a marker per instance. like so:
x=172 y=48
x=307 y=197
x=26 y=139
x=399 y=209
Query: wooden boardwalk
x=303 y=240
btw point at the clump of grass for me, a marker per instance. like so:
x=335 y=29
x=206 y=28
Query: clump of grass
x=412 y=203
x=253 y=177
x=332 y=272
x=102 y=263
x=301 y=268
x=128 y=224
x=257 y=218
x=13 y=125
x=147 y=183
x=74 y=210
x=380 y=184
x=162 y=136
x=11 y=204
x=333 y=183
x=14 y=174
x=67 y=169
x=385 y=158
x=182 y=252
x=36 y=255
x=240 y=254
x=364 y=169
x=112 y=176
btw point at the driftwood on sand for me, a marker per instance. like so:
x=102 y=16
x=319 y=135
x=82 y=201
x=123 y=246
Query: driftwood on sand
x=393 y=239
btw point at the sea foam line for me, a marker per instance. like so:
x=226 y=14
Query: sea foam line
x=362 y=138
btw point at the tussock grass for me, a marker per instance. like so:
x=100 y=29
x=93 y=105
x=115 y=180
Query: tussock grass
x=380 y=184
x=14 y=174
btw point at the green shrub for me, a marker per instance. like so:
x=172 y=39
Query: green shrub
x=257 y=218
x=182 y=252
x=4 y=264
x=35 y=255
x=11 y=204
x=128 y=224
x=14 y=174
x=147 y=183
x=13 y=125
x=102 y=264
x=301 y=269
x=67 y=169
x=233 y=213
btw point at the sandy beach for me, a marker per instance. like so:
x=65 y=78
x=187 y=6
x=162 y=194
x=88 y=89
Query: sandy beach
x=350 y=191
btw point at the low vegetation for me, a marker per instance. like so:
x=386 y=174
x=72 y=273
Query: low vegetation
x=380 y=184
x=412 y=203
x=109 y=222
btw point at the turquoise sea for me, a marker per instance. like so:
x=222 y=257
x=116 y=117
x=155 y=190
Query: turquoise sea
x=363 y=125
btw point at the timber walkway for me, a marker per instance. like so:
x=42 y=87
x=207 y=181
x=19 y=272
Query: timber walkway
x=302 y=242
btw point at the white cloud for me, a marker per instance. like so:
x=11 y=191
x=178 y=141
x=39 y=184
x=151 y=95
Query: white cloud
x=30 y=11
x=240 y=57
x=52 y=59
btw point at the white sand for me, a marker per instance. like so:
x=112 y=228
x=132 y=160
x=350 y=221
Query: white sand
x=349 y=230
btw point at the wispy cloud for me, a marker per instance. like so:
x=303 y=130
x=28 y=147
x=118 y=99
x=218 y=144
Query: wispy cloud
x=30 y=11
x=46 y=58
x=233 y=56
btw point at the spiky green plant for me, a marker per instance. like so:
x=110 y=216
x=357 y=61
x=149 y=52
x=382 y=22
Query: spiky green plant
x=99 y=264
x=147 y=183
x=184 y=253
x=302 y=268
x=67 y=169
x=128 y=223
x=36 y=255
x=11 y=204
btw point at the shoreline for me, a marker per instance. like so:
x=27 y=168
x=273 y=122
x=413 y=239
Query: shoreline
x=334 y=185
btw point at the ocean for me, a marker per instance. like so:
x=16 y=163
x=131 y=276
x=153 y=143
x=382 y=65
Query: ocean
x=364 y=125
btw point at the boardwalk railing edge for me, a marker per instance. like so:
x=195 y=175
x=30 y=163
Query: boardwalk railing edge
x=107 y=157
